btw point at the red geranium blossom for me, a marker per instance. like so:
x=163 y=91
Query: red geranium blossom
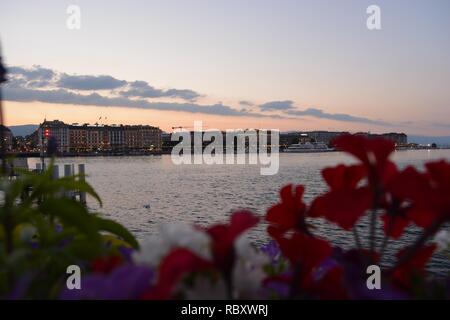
x=427 y=193
x=305 y=252
x=406 y=200
x=394 y=224
x=304 y=249
x=290 y=213
x=174 y=266
x=106 y=264
x=413 y=267
x=224 y=235
x=330 y=286
x=438 y=174
x=345 y=202
x=372 y=152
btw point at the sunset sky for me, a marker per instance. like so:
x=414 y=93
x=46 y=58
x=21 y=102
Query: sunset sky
x=280 y=64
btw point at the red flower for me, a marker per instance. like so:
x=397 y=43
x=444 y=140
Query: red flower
x=427 y=193
x=106 y=264
x=330 y=286
x=290 y=213
x=372 y=152
x=175 y=265
x=399 y=190
x=414 y=267
x=394 y=224
x=344 y=177
x=224 y=235
x=345 y=202
x=439 y=186
x=304 y=251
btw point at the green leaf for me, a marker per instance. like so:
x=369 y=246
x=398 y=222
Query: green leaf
x=117 y=229
x=83 y=248
x=72 y=213
x=71 y=184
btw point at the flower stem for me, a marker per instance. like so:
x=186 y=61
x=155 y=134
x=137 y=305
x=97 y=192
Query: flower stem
x=357 y=239
x=409 y=254
x=228 y=285
x=386 y=238
x=293 y=290
x=373 y=219
x=373 y=223
x=384 y=245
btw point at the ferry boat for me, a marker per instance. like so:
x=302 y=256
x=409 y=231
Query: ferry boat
x=308 y=147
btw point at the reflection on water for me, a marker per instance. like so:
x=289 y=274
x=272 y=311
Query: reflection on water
x=142 y=192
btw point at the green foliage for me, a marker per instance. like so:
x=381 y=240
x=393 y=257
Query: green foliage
x=117 y=229
x=42 y=232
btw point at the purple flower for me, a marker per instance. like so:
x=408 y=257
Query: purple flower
x=327 y=265
x=58 y=228
x=126 y=253
x=125 y=282
x=280 y=289
x=278 y=286
x=272 y=250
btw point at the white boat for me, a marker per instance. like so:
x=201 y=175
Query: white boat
x=308 y=147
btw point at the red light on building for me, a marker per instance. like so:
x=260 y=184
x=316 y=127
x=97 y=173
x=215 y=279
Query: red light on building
x=46 y=132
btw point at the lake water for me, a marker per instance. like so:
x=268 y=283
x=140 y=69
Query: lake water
x=141 y=192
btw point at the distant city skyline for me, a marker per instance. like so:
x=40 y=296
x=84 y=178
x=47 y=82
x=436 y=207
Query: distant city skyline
x=28 y=129
x=288 y=65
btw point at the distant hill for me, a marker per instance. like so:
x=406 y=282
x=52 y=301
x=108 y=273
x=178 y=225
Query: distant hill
x=442 y=140
x=23 y=130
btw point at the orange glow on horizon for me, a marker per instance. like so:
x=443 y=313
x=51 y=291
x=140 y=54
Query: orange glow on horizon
x=20 y=113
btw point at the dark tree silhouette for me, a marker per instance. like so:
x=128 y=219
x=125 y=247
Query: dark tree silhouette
x=3 y=144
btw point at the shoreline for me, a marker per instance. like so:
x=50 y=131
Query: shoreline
x=165 y=152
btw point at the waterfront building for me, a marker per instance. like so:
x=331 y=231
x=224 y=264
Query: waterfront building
x=400 y=139
x=116 y=138
x=77 y=138
x=151 y=138
x=94 y=138
x=397 y=138
x=238 y=139
x=133 y=137
x=288 y=138
x=56 y=129
x=325 y=137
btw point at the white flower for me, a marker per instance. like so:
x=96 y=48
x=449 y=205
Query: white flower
x=171 y=236
x=28 y=233
x=246 y=250
x=151 y=251
x=442 y=239
x=248 y=270
x=248 y=274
